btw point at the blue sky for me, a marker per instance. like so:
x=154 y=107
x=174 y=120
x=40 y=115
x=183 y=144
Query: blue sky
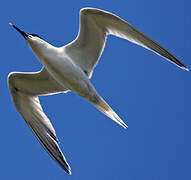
x=150 y=94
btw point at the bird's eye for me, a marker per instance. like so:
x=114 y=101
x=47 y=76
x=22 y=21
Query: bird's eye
x=35 y=35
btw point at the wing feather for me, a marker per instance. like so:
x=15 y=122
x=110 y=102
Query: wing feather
x=28 y=105
x=95 y=25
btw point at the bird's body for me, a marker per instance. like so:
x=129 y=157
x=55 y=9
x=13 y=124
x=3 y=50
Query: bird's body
x=69 y=68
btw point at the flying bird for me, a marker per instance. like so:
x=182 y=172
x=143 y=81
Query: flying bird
x=69 y=68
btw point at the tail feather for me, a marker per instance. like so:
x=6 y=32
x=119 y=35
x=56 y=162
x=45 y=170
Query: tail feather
x=106 y=109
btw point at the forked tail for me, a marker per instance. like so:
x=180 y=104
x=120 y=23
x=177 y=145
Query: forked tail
x=100 y=104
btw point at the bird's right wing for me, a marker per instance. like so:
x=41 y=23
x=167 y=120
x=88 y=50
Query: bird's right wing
x=24 y=89
x=95 y=25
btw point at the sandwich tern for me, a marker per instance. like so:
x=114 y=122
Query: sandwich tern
x=69 y=68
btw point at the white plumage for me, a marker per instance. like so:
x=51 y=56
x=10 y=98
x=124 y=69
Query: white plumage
x=69 y=68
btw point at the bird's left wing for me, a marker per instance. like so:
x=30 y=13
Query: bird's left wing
x=24 y=89
x=95 y=25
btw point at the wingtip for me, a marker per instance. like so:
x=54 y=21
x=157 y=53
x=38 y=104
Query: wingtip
x=186 y=69
x=68 y=170
x=182 y=66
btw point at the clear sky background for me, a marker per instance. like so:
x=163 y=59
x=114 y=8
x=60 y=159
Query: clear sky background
x=150 y=94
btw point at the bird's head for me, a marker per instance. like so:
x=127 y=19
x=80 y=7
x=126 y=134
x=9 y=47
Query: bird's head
x=34 y=41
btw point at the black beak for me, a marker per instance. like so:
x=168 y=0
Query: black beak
x=25 y=35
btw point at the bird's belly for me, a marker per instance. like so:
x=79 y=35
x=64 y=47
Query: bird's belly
x=69 y=75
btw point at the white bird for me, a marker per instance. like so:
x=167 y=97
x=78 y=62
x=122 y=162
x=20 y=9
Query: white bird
x=69 y=68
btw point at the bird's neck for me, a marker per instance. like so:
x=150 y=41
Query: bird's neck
x=43 y=51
